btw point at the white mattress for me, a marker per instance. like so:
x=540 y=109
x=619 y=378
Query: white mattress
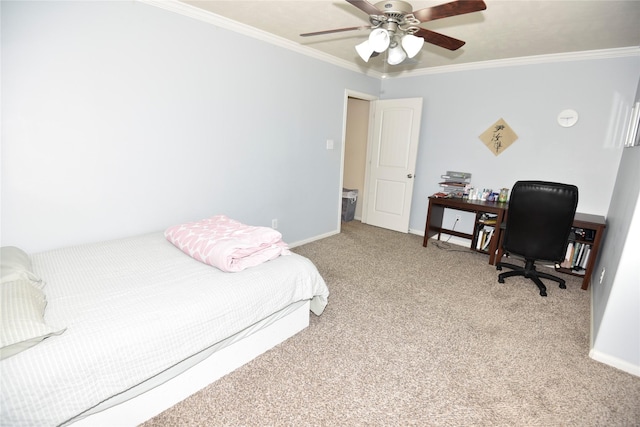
x=134 y=308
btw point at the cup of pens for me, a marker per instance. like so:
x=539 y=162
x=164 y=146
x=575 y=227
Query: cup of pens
x=504 y=195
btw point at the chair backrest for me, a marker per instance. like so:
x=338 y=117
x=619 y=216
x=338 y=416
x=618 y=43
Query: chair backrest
x=539 y=219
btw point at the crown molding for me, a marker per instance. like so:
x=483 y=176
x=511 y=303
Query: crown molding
x=530 y=60
x=222 y=22
x=229 y=24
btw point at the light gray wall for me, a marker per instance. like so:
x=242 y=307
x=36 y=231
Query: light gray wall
x=459 y=106
x=122 y=118
x=616 y=300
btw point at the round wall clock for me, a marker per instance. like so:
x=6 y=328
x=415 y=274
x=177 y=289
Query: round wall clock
x=567 y=118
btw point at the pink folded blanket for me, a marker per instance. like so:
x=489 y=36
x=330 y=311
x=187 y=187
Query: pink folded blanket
x=226 y=243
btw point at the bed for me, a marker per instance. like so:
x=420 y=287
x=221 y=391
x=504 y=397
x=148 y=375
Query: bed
x=138 y=325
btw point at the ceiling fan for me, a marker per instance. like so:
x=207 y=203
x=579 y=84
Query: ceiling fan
x=394 y=26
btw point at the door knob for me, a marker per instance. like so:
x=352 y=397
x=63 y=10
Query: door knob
x=409 y=175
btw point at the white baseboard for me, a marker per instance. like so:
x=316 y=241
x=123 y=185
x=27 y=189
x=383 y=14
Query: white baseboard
x=444 y=238
x=418 y=232
x=623 y=365
x=605 y=358
x=313 y=239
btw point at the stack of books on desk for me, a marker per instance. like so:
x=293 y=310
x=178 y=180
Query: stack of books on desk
x=455 y=183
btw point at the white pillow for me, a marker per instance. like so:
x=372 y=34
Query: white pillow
x=15 y=265
x=22 y=317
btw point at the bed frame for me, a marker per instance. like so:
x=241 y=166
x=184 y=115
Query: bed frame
x=151 y=403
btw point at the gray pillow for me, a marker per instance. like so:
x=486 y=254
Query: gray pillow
x=22 y=317
x=16 y=265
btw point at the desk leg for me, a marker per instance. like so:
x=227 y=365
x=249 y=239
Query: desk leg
x=500 y=253
x=435 y=214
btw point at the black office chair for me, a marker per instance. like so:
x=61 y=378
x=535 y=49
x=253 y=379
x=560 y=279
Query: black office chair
x=538 y=224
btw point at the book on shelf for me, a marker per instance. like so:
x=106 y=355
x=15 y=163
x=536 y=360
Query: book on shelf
x=576 y=257
x=484 y=238
x=585 y=259
x=577 y=254
x=488 y=219
x=568 y=255
x=487 y=241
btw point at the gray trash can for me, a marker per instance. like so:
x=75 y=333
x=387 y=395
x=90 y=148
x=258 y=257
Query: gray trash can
x=349 y=200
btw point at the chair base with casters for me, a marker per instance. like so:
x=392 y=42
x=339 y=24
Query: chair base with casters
x=529 y=271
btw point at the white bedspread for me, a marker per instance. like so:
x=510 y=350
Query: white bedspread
x=133 y=308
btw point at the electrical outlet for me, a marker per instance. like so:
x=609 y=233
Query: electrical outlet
x=274 y=223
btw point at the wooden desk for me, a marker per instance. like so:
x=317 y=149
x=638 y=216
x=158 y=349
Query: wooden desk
x=433 y=226
x=437 y=205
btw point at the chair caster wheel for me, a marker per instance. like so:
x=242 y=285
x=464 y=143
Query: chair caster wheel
x=499 y=267
x=563 y=286
x=500 y=280
x=543 y=294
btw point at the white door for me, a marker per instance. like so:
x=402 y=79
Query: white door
x=390 y=173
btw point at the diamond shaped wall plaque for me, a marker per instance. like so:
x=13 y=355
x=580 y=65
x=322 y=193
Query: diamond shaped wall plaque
x=498 y=137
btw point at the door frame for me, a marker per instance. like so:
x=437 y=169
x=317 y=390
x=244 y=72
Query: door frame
x=362 y=198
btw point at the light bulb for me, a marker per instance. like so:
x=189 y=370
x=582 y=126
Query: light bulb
x=365 y=50
x=379 y=39
x=396 y=55
x=412 y=44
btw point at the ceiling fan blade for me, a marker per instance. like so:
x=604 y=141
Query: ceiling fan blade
x=366 y=7
x=439 y=39
x=337 y=30
x=458 y=7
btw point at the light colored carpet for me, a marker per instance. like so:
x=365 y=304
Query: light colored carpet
x=423 y=336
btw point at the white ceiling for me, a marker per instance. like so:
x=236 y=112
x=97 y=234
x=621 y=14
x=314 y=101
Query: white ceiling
x=506 y=29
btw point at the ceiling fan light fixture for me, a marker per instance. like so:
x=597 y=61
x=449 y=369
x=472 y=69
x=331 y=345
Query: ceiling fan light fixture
x=379 y=40
x=412 y=44
x=365 y=50
x=396 y=55
x=394 y=22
